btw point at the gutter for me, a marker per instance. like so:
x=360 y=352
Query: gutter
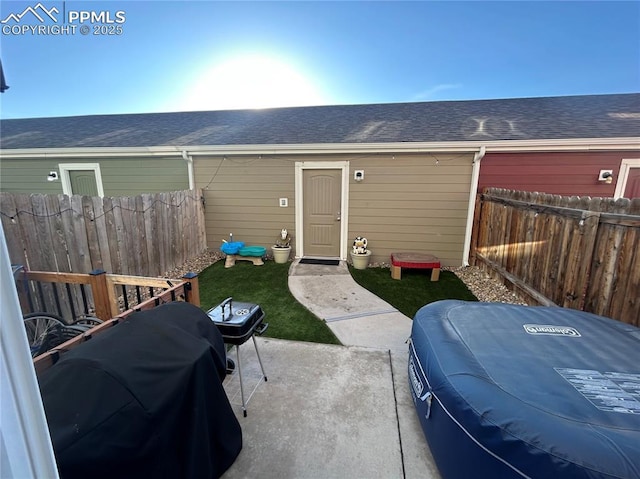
x=473 y=190
x=582 y=144
x=189 y=161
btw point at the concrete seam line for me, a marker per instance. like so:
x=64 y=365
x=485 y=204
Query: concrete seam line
x=395 y=402
x=360 y=315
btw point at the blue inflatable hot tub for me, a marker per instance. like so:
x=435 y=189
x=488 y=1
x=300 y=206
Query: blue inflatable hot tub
x=506 y=391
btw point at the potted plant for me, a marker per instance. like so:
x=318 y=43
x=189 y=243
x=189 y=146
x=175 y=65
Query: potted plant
x=359 y=253
x=282 y=248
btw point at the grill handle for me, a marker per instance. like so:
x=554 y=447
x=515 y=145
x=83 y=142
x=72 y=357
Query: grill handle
x=262 y=328
x=226 y=302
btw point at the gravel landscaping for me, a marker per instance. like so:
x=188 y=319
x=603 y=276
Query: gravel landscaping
x=481 y=285
x=484 y=287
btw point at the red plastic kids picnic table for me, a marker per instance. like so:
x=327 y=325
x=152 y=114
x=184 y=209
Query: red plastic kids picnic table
x=414 y=260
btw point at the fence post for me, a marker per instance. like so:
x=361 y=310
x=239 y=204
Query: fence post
x=193 y=289
x=475 y=230
x=100 y=289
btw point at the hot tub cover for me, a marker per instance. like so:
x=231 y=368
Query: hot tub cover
x=515 y=391
x=144 y=399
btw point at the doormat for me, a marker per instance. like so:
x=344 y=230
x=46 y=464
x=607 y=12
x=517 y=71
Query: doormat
x=327 y=262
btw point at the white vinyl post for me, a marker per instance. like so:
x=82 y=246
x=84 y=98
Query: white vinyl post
x=25 y=444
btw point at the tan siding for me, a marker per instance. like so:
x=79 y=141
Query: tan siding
x=242 y=196
x=406 y=203
x=410 y=203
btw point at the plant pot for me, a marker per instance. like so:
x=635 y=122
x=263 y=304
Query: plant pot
x=360 y=261
x=281 y=255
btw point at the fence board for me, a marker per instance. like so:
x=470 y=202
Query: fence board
x=120 y=240
x=150 y=232
x=100 y=222
x=582 y=253
x=131 y=230
x=161 y=239
x=80 y=231
x=185 y=218
x=28 y=230
x=141 y=236
x=56 y=231
x=112 y=235
x=46 y=257
x=93 y=242
x=173 y=230
x=11 y=227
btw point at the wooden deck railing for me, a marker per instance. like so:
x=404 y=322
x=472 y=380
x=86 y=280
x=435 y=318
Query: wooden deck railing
x=108 y=297
x=72 y=295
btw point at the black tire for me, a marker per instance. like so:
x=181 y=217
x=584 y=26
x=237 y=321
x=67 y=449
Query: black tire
x=231 y=366
x=38 y=326
x=59 y=335
x=90 y=321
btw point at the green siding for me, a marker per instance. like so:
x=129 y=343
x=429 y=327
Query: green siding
x=28 y=176
x=126 y=177
x=120 y=177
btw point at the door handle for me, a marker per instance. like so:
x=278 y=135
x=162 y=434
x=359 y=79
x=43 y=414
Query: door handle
x=338 y=217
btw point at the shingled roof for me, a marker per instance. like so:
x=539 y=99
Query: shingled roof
x=570 y=117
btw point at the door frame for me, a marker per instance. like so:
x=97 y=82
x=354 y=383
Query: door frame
x=623 y=175
x=65 y=168
x=344 y=201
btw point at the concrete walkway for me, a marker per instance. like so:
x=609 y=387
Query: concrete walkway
x=331 y=411
x=356 y=316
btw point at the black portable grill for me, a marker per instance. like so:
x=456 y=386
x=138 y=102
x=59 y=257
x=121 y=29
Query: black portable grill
x=237 y=322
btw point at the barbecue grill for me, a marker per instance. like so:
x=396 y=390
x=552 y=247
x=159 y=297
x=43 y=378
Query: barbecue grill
x=237 y=322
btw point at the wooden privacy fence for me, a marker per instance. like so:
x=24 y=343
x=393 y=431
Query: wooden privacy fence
x=578 y=252
x=144 y=235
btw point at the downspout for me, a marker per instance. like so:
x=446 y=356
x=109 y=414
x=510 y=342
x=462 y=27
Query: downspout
x=473 y=190
x=189 y=161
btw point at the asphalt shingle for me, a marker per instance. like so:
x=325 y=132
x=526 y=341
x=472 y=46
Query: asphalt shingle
x=591 y=116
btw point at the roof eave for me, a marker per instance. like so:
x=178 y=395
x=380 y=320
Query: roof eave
x=574 y=144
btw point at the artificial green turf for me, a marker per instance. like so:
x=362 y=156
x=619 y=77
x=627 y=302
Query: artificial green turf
x=266 y=285
x=414 y=290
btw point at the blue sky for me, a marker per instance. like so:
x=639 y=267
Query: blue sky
x=187 y=55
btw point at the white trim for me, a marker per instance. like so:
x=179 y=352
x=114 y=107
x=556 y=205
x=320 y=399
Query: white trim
x=344 y=207
x=189 y=160
x=25 y=443
x=473 y=190
x=623 y=175
x=582 y=144
x=66 y=180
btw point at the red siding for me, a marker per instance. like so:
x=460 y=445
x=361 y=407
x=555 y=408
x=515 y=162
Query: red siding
x=558 y=173
x=632 y=189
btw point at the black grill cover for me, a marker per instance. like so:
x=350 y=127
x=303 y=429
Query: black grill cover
x=144 y=399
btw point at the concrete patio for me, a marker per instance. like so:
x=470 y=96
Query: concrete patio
x=331 y=411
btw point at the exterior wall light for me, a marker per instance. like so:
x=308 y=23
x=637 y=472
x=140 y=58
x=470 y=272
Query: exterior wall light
x=606 y=176
x=53 y=176
x=358 y=175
